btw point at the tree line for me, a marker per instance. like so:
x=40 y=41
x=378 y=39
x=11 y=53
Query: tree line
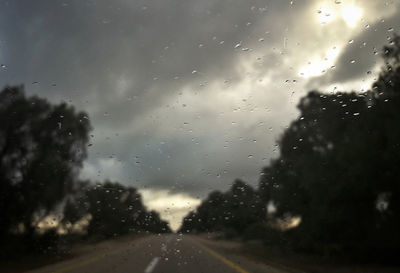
x=335 y=187
x=42 y=149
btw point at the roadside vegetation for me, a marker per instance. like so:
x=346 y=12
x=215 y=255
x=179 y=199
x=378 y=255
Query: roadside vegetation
x=43 y=203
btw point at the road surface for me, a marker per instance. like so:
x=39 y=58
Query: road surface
x=159 y=254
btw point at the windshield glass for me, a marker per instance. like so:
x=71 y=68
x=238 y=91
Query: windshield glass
x=194 y=136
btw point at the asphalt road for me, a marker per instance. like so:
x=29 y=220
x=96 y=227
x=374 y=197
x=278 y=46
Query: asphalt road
x=160 y=254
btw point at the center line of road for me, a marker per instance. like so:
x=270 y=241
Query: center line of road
x=152 y=265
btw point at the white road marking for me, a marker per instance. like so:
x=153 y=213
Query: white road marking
x=152 y=265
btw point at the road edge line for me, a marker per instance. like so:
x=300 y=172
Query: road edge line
x=221 y=258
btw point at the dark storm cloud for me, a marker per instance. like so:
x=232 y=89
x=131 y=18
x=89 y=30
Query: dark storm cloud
x=194 y=163
x=87 y=47
x=120 y=59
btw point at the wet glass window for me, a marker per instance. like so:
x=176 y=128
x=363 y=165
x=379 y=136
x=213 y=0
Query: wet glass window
x=199 y=136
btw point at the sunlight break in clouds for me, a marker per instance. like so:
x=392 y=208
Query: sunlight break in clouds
x=351 y=15
x=318 y=65
x=328 y=12
x=172 y=206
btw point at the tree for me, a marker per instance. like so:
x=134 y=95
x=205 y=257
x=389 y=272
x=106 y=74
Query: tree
x=338 y=169
x=42 y=147
x=320 y=174
x=114 y=210
x=230 y=213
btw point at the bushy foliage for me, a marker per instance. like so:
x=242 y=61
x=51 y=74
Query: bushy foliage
x=113 y=210
x=42 y=148
x=234 y=210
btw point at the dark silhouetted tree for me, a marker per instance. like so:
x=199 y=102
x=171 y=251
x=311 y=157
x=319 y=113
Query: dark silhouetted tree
x=230 y=213
x=338 y=170
x=42 y=147
x=114 y=210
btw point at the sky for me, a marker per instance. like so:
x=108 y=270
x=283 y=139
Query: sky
x=185 y=96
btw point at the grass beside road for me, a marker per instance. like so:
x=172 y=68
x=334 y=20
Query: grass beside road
x=290 y=261
x=32 y=261
x=306 y=263
x=67 y=251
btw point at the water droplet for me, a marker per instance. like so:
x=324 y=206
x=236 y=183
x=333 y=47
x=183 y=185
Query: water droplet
x=351 y=41
x=352 y=61
x=238 y=45
x=250 y=156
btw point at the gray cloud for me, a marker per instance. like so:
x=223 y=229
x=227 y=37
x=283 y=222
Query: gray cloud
x=86 y=48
